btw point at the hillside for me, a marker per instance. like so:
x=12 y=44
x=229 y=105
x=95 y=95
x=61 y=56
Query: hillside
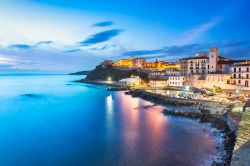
x=80 y=73
x=115 y=74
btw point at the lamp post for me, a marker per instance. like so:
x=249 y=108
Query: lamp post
x=237 y=92
x=187 y=89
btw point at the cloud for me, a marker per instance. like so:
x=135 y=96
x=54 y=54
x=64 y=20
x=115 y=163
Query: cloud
x=235 y=49
x=104 y=47
x=44 y=42
x=72 y=50
x=103 y=24
x=196 y=33
x=20 y=46
x=27 y=46
x=101 y=37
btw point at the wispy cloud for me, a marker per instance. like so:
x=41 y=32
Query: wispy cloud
x=193 y=34
x=30 y=46
x=101 y=37
x=20 y=46
x=44 y=42
x=103 y=24
x=236 y=49
x=72 y=50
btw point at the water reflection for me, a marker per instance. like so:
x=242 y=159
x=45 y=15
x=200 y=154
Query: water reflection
x=81 y=125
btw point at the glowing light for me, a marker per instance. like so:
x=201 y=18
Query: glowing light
x=187 y=88
x=109 y=79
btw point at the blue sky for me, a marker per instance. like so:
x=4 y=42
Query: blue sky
x=44 y=36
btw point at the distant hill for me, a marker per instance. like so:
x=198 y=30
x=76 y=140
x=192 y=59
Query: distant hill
x=80 y=73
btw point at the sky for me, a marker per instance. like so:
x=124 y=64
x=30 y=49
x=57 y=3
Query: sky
x=55 y=36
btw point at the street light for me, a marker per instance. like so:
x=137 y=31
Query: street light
x=237 y=92
x=187 y=89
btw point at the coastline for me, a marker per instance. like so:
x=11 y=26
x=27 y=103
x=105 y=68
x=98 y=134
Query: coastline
x=105 y=83
x=214 y=113
x=217 y=119
x=205 y=106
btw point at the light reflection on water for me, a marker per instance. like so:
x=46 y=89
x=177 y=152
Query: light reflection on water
x=78 y=124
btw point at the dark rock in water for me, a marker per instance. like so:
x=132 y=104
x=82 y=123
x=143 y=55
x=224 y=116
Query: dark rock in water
x=31 y=95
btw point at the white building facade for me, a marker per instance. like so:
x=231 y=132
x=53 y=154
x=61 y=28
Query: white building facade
x=240 y=75
x=132 y=81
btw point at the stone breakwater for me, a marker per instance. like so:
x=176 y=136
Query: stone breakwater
x=215 y=113
x=217 y=108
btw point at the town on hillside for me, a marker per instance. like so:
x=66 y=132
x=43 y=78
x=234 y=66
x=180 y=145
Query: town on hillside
x=200 y=71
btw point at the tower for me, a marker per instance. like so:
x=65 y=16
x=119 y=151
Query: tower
x=213 y=60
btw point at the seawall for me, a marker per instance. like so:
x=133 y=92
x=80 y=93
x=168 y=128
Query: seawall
x=218 y=108
x=241 y=154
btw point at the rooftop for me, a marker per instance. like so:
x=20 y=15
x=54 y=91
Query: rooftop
x=194 y=58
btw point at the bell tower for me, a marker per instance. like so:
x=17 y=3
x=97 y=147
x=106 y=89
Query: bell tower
x=213 y=60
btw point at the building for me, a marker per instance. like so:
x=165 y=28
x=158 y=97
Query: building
x=159 y=65
x=194 y=65
x=201 y=71
x=107 y=63
x=211 y=80
x=158 y=83
x=132 y=81
x=132 y=62
x=125 y=62
x=240 y=75
x=168 y=77
x=177 y=80
x=157 y=75
x=140 y=62
x=213 y=60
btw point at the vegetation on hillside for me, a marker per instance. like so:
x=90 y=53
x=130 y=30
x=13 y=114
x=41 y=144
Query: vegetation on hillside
x=111 y=73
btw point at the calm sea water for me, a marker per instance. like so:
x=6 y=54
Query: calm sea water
x=50 y=121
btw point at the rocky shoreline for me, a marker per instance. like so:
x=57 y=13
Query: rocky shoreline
x=208 y=112
x=218 y=108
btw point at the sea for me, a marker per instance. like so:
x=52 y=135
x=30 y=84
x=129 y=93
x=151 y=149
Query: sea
x=49 y=120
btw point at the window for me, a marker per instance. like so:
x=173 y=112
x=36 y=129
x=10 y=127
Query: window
x=239 y=69
x=234 y=69
x=239 y=81
x=239 y=75
x=246 y=83
x=234 y=75
x=247 y=69
x=247 y=76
